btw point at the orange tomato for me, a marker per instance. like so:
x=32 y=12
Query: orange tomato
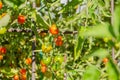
x=43 y=69
x=1 y=57
x=1 y=5
x=16 y=77
x=105 y=60
x=23 y=71
x=28 y=61
x=21 y=19
x=53 y=30
x=23 y=77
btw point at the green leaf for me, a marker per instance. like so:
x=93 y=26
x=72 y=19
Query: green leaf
x=13 y=3
x=112 y=71
x=116 y=24
x=100 y=53
x=91 y=73
x=99 y=31
x=78 y=47
x=41 y=21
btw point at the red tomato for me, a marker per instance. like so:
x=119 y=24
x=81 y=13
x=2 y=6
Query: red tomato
x=53 y=29
x=23 y=71
x=16 y=77
x=21 y=19
x=58 y=41
x=28 y=61
x=0 y=5
x=43 y=69
x=3 y=50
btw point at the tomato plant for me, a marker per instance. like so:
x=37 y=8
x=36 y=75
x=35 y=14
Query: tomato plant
x=59 y=40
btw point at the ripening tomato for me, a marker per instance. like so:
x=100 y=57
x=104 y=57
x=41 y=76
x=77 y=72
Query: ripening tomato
x=23 y=71
x=23 y=77
x=43 y=69
x=105 y=60
x=16 y=77
x=1 y=57
x=58 y=41
x=21 y=19
x=3 y=50
x=1 y=5
x=28 y=61
x=53 y=30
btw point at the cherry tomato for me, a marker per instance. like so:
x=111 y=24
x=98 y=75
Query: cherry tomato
x=1 y=57
x=47 y=60
x=23 y=71
x=53 y=30
x=105 y=60
x=3 y=30
x=1 y=5
x=3 y=50
x=16 y=77
x=21 y=19
x=59 y=59
x=43 y=69
x=23 y=77
x=58 y=41
x=28 y=61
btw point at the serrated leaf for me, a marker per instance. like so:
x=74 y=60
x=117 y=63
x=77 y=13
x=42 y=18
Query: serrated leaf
x=112 y=71
x=99 y=31
x=91 y=73
x=78 y=48
x=41 y=21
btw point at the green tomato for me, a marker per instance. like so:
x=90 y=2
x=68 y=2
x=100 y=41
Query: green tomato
x=59 y=59
x=3 y=30
x=47 y=60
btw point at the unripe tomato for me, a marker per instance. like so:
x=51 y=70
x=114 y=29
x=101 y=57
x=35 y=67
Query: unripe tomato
x=1 y=57
x=21 y=19
x=23 y=71
x=105 y=60
x=3 y=50
x=53 y=30
x=43 y=69
x=1 y=5
x=3 y=30
x=16 y=77
x=46 y=61
x=59 y=59
x=42 y=63
x=28 y=61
